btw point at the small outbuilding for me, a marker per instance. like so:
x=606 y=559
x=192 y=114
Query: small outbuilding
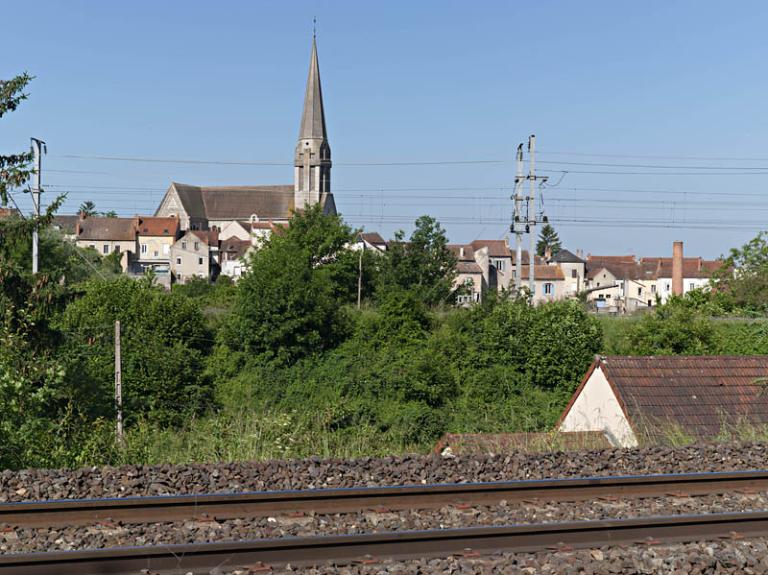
x=634 y=399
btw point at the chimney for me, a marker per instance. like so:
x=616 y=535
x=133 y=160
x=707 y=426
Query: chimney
x=81 y=215
x=677 y=268
x=548 y=254
x=461 y=252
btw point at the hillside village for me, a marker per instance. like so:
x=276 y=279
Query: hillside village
x=178 y=248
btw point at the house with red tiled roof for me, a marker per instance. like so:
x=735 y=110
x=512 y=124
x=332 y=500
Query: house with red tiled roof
x=640 y=399
x=548 y=280
x=472 y=273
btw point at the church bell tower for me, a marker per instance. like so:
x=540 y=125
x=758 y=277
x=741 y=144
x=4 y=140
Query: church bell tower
x=312 y=171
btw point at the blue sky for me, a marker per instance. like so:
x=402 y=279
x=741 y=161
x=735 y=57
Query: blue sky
x=605 y=86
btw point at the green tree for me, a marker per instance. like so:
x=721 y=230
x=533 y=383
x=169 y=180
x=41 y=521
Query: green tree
x=548 y=239
x=164 y=343
x=671 y=329
x=423 y=264
x=14 y=169
x=288 y=305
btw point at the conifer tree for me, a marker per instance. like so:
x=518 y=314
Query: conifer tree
x=548 y=239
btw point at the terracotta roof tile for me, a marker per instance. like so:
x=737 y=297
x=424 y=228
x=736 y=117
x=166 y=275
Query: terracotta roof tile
x=158 y=226
x=496 y=248
x=698 y=393
x=544 y=272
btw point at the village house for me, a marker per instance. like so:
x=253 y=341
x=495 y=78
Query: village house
x=636 y=399
x=548 y=282
x=107 y=235
x=472 y=273
x=574 y=270
x=500 y=267
x=233 y=257
x=192 y=257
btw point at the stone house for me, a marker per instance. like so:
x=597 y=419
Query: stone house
x=107 y=235
x=574 y=270
x=548 y=282
x=191 y=256
x=500 y=265
x=233 y=257
x=472 y=273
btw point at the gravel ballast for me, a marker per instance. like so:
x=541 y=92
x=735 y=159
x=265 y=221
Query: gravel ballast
x=316 y=473
x=747 y=557
x=24 y=540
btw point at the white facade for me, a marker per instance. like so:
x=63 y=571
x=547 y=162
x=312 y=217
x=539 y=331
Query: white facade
x=596 y=408
x=664 y=286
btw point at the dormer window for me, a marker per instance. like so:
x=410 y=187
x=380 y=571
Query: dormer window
x=254 y=219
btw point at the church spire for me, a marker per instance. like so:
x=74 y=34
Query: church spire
x=313 y=118
x=312 y=163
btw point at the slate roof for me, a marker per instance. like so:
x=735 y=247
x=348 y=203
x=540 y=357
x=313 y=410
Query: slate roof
x=236 y=202
x=567 y=257
x=110 y=229
x=496 y=248
x=700 y=394
x=313 y=118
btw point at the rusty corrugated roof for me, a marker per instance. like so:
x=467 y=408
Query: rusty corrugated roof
x=701 y=395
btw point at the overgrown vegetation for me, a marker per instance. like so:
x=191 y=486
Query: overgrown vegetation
x=285 y=363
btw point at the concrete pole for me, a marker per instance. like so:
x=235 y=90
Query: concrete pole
x=37 y=148
x=517 y=223
x=532 y=212
x=118 y=386
x=677 y=268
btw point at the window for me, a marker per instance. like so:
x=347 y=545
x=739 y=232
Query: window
x=499 y=265
x=639 y=291
x=691 y=286
x=156 y=253
x=117 y=249
x=178 y=261
x=197 y=246
x=199 y=261
x=92 y=246
x=607 y=296
x=653 y=288
x=105 y=249
x=549 y=289
x=184 y=245
x=574 y=273
x=143 y=248
x=666 y=287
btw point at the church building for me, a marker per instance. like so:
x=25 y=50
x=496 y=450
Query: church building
x=209 y=207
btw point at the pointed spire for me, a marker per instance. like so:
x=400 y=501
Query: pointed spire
x=313 y=118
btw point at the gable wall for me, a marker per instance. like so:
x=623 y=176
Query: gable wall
x=597 y=409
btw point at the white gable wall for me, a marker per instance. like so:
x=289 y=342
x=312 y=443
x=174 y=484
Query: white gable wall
x=597 y=409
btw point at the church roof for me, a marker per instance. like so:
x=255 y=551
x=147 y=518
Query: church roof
x=236 y=202
x=313 y=118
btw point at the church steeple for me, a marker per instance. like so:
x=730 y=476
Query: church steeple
x=312 y=163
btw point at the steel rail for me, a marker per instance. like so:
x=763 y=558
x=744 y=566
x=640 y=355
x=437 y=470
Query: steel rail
x=202 y=558
x=255 y=504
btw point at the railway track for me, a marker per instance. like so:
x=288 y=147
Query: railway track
x=259 y=504
x=204 y=557
x=265 y=553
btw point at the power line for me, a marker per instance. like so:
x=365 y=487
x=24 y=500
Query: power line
x=270 y=163
x=653 y=166
x=656 y=157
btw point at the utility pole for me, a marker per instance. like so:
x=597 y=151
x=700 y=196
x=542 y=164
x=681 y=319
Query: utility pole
x=38 y=147
x=532 y=213
x=517 y=224
x=360 y=270
x=118 y=386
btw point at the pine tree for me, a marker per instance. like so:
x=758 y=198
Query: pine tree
x=548 y=239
